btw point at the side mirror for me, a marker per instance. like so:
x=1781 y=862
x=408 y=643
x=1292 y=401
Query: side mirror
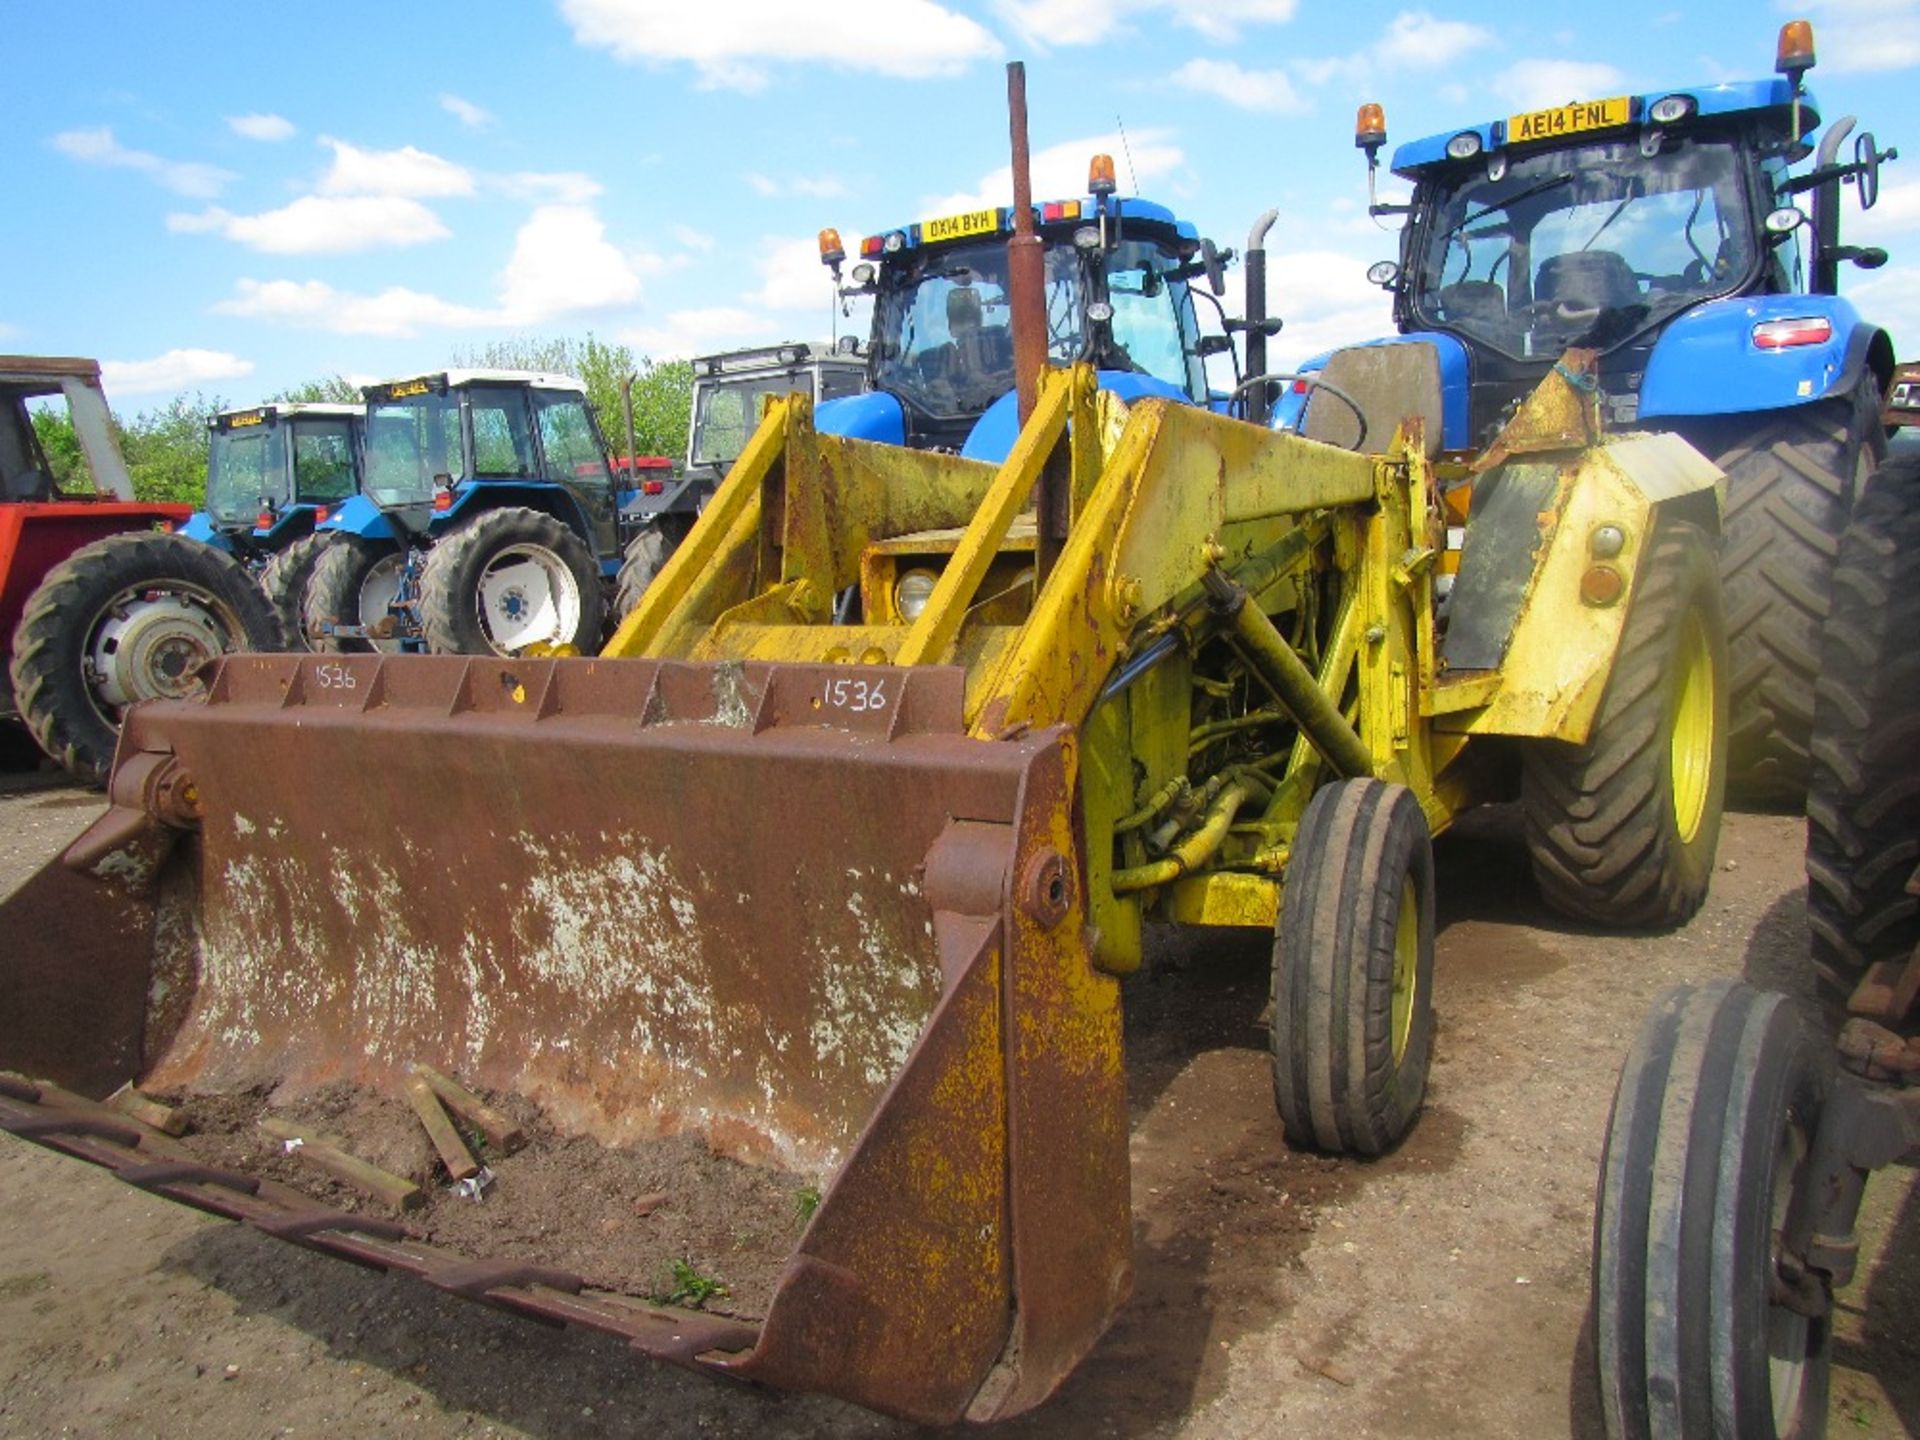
x=1215 y=345
x=1868 y=158
x=1215 y=267
x=1870 y=257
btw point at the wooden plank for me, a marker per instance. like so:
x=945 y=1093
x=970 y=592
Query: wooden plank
x=501 y=1132
x=164 y=1118
x=446 y=1138
x=383 y=1185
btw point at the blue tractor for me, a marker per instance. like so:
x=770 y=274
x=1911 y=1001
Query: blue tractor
x=273 y=472
x=1663 y=231
x=487 y=523
x=940 y=361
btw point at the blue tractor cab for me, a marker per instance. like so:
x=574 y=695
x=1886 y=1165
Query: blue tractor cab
x=487 y=522
x=1665 y=232
x=940 y=361
x=273 y=473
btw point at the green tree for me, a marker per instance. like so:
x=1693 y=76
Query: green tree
x=662 y=394
x=61 y=446
x=166 y=449
x=329 y=390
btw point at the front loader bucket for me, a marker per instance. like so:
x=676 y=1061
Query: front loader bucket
x=653 y=898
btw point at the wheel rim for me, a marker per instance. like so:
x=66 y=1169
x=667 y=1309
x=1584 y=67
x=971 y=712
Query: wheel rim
x=1691 y=750
x=149 y=641
x=1789 y=1334
x=527 y=596
x=1406 y=970
x=379 y=588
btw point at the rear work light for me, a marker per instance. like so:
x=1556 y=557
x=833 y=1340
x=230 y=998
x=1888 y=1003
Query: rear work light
x=264 y=520
x=443 y=500
x=1785 y=334
x=653 y=487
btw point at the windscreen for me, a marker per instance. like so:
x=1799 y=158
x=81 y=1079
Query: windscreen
x=1587 y=246
x=943 y=327
x=727 y=408
x=244 y=468
x=323 y=460
x=409 y=442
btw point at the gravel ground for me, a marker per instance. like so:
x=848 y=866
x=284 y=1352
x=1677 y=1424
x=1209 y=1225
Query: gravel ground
x=1441 y=1291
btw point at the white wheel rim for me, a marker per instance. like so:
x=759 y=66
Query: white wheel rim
x=379 y=588
x=527 y=596
x=1788 y=1332
x=149 y=642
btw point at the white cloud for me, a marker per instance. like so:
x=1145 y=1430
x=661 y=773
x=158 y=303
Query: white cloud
x=812 y=187
x=1860 y=35
x=559 y=187
x=322 y=225
x=1270 y=91
x=395 y=311
x=693 y=239
x=1090 y=22
x=1889 y=298
x=1325 y=299
x=1896 y=213
x=175 y=370
x=792 y=277
x=1062 y=170
x=1537 y=84
x=562 y=266
x=466 y=112
x=1416 y=40
x=97 y=146
x=685 y=333
x=733 y=43
x=10 y=332
x=407 y=171
x=261 y=127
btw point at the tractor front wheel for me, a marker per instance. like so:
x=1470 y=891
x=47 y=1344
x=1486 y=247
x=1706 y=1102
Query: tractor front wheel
x=132 y=617
x=1622 y=829
x=285 y=582
x=507 y=580
x=1705 y=1322
x=1353 y=970
x=355 y=582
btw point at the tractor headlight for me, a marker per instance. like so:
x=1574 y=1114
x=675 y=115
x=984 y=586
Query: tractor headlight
x=1670 y=108
x=1465 y=145
x=1607 y=541
x=911 y=593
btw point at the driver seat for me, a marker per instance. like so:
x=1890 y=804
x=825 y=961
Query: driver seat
x=1588 y=280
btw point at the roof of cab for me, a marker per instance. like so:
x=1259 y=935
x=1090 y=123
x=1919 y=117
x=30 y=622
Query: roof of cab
x=1126 y=208
x=326 y=408
x=1711 y=100
x=455 y=379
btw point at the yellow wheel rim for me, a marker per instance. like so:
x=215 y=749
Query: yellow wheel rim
x=1406 y=970
x=1691 y=750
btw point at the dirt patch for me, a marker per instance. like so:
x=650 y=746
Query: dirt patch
x=663 y=1219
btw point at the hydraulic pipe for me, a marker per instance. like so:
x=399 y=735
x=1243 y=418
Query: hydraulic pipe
x=1287 y=676
x=1257 y=398
x=1194 y=851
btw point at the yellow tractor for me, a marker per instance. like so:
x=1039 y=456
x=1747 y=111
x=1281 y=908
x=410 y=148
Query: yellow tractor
x=851 y=894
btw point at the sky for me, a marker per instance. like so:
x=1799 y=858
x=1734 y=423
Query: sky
x=237 y=198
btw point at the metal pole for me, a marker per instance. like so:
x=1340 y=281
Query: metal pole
x=1258 y=398
x=1026 y=273
x=626 y=405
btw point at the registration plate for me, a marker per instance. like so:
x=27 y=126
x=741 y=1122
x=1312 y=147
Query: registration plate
x=1569 y=119
x=958 y=227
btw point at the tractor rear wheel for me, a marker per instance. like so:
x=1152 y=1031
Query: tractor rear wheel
x=1353 y=970
x=1704 y=1201
x=1792 y=481
x=285 y=581
x=1622 y=829
x=355 y=582
x=1863 y=806
x=646 y=553
x=132 y=617
x=507 y=580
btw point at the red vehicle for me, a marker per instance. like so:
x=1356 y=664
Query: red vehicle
x=100 y=607
x=1903 y=398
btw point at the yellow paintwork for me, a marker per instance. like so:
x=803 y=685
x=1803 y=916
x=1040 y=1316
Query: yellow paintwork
x=1339 y=550
x=1691 y=749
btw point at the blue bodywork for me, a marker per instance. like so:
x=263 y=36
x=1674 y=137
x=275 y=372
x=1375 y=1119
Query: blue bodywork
x=289 y=524
x=998 y=427
x=1729 y=99
x=1129 y=208
x=360 y=516
x=1706 y=363
x=875 y=415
